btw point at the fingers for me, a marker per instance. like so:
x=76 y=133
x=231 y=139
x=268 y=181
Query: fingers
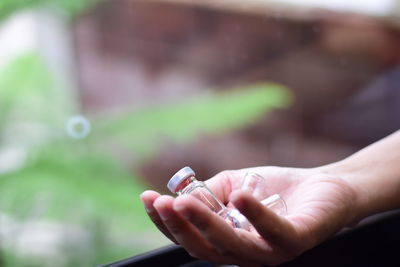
x=275 y=229
x=182 y=231
x=210 y=225
x=148 y=198
x=206 y=235
x=230 y=245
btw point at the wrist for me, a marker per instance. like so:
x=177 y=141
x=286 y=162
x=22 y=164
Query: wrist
x=351 y=175
x=373 y=174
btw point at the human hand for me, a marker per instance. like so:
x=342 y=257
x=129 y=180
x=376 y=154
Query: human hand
x=319 y=204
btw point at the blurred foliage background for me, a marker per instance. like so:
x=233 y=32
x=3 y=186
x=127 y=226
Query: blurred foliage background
x=100 y=100
x=71 y=8
x=73 y=202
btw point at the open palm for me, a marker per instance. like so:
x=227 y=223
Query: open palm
x=318 y=206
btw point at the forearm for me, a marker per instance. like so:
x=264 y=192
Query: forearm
x=374 y=174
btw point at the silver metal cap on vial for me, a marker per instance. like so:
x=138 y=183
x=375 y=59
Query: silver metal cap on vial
x=181 y=175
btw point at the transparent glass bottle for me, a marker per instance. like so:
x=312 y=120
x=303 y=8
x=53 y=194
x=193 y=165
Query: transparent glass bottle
x=256 y=185
x=184 y=182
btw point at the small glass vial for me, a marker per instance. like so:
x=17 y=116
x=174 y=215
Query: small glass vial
x=255 y=184
x=184 y=182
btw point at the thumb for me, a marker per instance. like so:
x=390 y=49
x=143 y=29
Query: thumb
x=275 y=229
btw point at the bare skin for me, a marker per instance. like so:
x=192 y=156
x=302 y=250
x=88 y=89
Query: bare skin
x=320 y=202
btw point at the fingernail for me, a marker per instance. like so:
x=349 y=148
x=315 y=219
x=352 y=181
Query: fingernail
x=149 y=208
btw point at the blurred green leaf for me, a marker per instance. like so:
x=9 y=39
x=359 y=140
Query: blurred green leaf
x=28 y=94
x=215 y=114
x=69 y=7
x=23 y=77
x=81 y=181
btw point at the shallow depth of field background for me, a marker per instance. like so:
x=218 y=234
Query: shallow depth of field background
x=100 y=100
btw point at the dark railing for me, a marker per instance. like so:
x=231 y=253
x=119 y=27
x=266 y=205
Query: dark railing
x=375 y=243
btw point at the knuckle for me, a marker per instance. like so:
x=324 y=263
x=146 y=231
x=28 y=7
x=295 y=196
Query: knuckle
x=226 y=174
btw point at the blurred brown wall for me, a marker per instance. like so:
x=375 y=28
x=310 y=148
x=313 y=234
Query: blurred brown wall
x=133 y=54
